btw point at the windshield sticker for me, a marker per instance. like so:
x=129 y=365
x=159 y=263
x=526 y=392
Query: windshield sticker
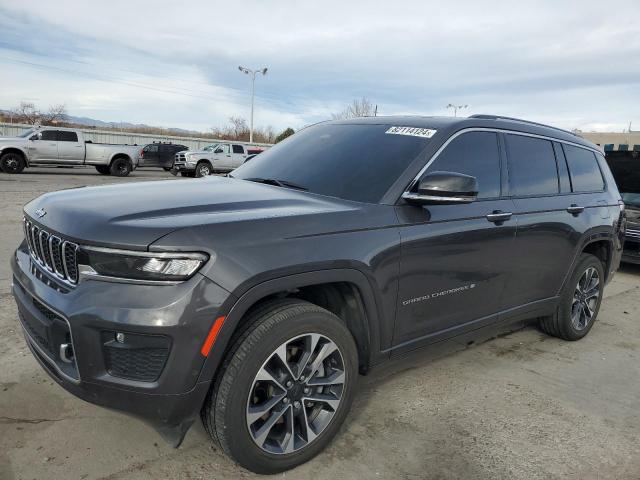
x=412 y=131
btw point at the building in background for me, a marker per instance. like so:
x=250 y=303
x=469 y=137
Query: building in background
x=614 y=141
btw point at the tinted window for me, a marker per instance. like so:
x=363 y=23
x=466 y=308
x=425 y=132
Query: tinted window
x=608 y=147
x=474 y=154
x=49 y=135
x=636 y=148
x=532 y=166
x=623 y=146
x=584 y=170
x=151 y=148
x=238 y=149
x=565 y=182
x=64 y=136
x=350 y=161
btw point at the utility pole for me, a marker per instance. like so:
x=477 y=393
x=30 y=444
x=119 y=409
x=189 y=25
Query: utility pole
x=456 y=108
x=248 y=71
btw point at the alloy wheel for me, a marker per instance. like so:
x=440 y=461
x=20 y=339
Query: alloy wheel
x=585 y=299
x=296 y=393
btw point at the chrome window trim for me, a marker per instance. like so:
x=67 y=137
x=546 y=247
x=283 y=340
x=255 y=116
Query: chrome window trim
x=493 y=130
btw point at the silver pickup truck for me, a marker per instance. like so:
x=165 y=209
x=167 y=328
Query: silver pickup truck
x=220 y=157
x=53 y=146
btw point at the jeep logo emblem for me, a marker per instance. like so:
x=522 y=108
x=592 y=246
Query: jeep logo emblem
x=41 y=212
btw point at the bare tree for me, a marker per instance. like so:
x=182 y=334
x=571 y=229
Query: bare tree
x=26 y=112
x=357 y=108
x=56 y=114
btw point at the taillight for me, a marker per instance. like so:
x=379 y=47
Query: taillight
x=142 y=153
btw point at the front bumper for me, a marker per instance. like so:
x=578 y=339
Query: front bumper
x=93 y=312
x=183 y=167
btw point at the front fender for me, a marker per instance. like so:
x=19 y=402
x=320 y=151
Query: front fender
x=239 y=307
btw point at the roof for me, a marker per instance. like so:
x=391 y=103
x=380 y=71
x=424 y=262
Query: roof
x=479 y=121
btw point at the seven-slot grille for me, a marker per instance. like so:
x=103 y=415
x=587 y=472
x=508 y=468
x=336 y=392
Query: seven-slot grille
x=180 y=157
x=633 y=233
x=56 y=255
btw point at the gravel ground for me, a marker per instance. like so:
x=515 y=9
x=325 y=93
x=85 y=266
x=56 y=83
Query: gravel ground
x=521 y=406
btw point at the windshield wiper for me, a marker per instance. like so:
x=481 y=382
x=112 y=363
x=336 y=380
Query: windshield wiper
x=278 y=183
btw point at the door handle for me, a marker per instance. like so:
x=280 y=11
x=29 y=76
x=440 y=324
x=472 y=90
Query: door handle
x=498 y=216
x=575 y=209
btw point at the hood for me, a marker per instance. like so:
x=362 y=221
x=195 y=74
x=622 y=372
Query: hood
x=137 y=214
x=13 y=140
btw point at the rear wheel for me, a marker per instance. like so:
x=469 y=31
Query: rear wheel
x=166 y=169
x=12 y=163
x=285 y=387
x=579 y=302
x=120 y=167
x=103 y=169
x=203 y=169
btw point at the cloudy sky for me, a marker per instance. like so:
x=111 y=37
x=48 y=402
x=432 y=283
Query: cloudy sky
x=574 y=64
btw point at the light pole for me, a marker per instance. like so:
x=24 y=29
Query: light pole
x=456 y=108
x=248 y=71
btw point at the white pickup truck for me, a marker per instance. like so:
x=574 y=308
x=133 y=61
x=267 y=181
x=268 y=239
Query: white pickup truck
x=53 y=146
x=216 y=158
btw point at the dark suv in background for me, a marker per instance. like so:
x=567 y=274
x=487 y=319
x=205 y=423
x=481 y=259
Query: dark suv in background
x=625 y=167
x=160 y=155
x=257 y=299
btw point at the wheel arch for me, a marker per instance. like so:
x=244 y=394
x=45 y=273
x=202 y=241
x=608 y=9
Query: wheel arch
x=600 y=244
x=116 y=156
x=17 y=150
x=344 y=292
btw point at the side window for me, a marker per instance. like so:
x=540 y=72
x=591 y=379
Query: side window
x=224 y=147
x=50 y=135
x=475 y=154
x=623 y=147
x=64 y=136
x=238 y=149
x=532 y=166
x=565 y=183
x=151 y=148
x=583 y=168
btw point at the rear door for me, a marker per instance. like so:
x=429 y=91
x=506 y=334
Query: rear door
x=551 y=220
x=70 y=149
x=43 y=147
x=151 y=155
x=238 y=155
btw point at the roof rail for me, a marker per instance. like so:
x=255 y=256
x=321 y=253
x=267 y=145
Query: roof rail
x=484 y=116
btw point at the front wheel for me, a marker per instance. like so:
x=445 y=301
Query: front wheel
x=286 y=387
x=579 y=302
x=12 y=163
x=120 y=167
x=203 y=169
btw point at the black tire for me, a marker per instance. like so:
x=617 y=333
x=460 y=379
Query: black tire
x=188 y=174
x=166 y=169
x=12 y=163
x=562 y=323
x=203 y=169
x=120 y=167
x=103 y=169
x=268 y=327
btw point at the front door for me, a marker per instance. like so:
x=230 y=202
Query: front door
x=70 y=149
x=43 y=147
x=151 y=155
x=222 y=159
x=456 y=259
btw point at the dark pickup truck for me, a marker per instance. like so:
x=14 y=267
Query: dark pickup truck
x=256 y=300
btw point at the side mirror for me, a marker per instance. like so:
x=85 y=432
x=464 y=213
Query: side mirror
x=443 y=188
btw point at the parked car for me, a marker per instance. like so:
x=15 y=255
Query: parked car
x=160 y=155
x=53 y=146
x=625 y=166
x=256 y=299
x=216 y=158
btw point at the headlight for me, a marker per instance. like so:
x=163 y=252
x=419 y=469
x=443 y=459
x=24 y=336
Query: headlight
x=140 y=266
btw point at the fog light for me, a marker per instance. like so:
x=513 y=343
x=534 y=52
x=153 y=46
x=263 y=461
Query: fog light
x=120 y=337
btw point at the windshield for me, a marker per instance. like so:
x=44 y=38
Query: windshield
x=210 y=148
x=353 y=162
x=631 y=199
x=26 y=133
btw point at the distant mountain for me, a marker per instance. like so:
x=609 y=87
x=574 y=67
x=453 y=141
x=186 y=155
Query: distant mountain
x=92 y=122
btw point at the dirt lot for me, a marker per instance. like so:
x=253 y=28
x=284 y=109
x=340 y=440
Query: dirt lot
x=522 y=406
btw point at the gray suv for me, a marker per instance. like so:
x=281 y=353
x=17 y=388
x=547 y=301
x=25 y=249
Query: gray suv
x=256 y=300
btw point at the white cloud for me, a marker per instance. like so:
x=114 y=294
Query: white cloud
x=569 y=64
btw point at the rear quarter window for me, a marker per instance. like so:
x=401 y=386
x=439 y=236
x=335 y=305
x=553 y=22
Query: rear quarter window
x=583 y=169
